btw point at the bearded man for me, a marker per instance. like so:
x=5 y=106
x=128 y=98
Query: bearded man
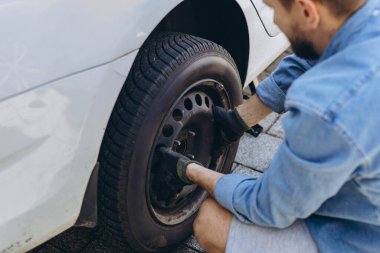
x=321 y=192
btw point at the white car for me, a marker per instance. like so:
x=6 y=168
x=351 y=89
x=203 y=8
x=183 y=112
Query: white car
x=89 y=89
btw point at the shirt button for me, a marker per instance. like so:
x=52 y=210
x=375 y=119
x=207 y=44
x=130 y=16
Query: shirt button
x=376 y=12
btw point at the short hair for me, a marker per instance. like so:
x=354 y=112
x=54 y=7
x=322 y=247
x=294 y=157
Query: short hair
x=337 y=7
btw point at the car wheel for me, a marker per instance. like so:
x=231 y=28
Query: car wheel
x=167 y=101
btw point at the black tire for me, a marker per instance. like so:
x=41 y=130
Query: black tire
x=168 y=67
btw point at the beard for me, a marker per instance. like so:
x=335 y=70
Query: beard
x=303 y=48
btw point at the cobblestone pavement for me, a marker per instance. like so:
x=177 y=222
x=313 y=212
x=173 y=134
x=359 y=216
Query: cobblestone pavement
x=253 y=157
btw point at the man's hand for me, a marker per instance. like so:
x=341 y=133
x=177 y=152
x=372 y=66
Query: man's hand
x=171 y=175
x=230 y=127
x=175 y=164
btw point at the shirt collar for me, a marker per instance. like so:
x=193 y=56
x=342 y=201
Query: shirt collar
x=350 y=28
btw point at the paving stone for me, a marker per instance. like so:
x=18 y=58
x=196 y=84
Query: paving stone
x=257 y=152
x=269 y=121
x=46 y=248
x=74 y=239
x=101 y=245
x=240 y=169
x=193 y=244
x=277 y=129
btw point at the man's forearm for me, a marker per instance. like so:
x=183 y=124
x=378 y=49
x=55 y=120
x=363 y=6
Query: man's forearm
x=253 y=110
x=205 y=178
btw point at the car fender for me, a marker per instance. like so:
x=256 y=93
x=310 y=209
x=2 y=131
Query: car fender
x=44 y=41
x=55 y=132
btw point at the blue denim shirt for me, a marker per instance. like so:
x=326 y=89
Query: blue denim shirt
x=327 y=170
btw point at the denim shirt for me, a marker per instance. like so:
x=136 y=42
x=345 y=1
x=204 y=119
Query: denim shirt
x=327 y=170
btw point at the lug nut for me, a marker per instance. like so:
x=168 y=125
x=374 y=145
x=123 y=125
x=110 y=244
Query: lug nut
x=191 y=156
x=191 y=133
x=219 y=87
x=177 y=143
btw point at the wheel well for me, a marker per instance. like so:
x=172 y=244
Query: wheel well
x=220 y=21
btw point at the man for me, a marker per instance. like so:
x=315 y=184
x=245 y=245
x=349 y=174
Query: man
x=321 y=192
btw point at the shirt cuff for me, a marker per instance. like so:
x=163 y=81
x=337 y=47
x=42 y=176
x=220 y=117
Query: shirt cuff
x=225 y=187
x=271 y=95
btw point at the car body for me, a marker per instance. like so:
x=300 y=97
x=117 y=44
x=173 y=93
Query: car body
x=62 y=66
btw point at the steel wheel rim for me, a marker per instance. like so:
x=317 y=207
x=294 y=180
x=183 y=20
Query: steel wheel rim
x=186 y=126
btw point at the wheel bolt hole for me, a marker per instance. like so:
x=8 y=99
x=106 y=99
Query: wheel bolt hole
x=198 y=99
x=167 y=131
x=207 y=101
x=177 y=115
x=188 y=104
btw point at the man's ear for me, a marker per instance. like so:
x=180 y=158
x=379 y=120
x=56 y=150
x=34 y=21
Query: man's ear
x=308 y=13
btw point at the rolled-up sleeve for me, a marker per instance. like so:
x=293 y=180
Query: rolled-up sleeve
x=312 y=164
x=272 y=90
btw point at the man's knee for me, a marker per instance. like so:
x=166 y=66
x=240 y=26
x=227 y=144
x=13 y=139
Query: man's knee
x=202 y=221
x=206 y=215
x=212 y=225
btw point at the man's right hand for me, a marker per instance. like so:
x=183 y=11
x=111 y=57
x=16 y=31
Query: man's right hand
x=230 y=127
x=175 y=165
x=171 y=174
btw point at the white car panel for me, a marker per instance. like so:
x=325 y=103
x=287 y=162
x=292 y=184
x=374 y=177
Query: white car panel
x=39 y=35
x=54 y=135
x=263 y=49
x=266 y=15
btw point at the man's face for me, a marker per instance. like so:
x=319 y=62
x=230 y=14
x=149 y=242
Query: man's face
x=288 y=21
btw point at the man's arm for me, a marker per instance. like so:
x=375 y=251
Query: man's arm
x=253 y=110
x=272 y=91
x=271 y=96
x=315 y=160
x=297 y=182
x=204 y=177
